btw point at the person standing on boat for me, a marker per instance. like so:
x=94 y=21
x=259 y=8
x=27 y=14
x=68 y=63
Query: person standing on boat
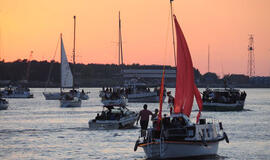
x=144 y=119
x=170 y=101
x=154 y=118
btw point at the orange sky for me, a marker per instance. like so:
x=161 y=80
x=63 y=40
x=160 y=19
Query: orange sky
x=223 y=24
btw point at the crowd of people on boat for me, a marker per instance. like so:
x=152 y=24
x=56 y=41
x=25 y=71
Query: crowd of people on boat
x=109 y=115
x=166 y=122
x=111 y=93
x=12 y=89
x=116 y=93
x=227 y=96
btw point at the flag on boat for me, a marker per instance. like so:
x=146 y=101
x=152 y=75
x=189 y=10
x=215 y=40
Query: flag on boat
x=161 y=99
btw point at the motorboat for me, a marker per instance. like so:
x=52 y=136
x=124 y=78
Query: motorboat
x=139 y=92
x=114 y=117
x=113 y=97
x=227 y=99
x=16 y=92
x=176 y=136
x=3 y=104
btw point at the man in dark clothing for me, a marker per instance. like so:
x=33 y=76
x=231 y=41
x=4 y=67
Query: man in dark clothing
x=155 y=118
x=144 y=117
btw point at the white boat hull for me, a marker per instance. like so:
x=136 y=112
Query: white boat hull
x=180 y=150
x=70 y=103
x=208 y=106
x=125 y=122
x=116 y=102
x=144 y=97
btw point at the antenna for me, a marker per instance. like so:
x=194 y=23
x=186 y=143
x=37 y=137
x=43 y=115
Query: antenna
x=173 y=32
x=251 y=57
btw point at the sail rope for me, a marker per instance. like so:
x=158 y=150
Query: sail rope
x=51 y=66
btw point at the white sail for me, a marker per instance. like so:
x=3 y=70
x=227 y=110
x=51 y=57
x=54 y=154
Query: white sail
x=66 y=74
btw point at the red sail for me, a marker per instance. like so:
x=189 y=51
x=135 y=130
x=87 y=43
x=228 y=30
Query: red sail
x=161 y=100
x=185 y=87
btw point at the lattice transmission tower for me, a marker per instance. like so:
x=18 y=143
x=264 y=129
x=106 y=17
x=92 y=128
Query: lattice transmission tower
x=251 y=57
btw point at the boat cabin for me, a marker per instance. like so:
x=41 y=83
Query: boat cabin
x=111 y=113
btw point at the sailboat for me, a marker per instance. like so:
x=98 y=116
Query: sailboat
x=75 y=93
x=67 y=99
x=176 y=136
x=115 y=95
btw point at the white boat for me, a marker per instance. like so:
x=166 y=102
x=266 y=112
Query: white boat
x=176 y=136
x=114 y=117
x=67 y=80
x=16 y=92
x=113 y=97
x=139 y=92
x=67 y=99
x=57 y=95
x=3 y=104
x=227 y=99
x=182 y=140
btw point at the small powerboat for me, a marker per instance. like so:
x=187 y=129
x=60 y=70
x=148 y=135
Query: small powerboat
x=114 y=117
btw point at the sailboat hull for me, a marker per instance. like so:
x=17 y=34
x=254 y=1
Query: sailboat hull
x=70 y=103
x=179 y=150
x=211 y=106
x=57 y=95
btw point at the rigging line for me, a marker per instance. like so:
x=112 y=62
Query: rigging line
x=51 y=66
x=166 y=42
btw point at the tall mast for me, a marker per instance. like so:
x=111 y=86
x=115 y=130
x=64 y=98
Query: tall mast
x=74 y=50
x=173 y=32
x=208 y=58
x=120 y=48
x=61 y=62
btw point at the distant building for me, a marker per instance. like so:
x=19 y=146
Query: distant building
x=260 y=81
x=150 y=76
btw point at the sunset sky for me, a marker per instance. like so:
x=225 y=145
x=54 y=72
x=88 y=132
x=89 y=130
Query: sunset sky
x=146 y=28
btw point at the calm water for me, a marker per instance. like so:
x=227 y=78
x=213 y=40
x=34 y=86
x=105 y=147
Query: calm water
x=40 y=129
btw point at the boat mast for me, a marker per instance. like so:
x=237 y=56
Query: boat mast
x=61 y=63
x=173 y=32
x=208 y=58
x=73 y=88
x=120 y=48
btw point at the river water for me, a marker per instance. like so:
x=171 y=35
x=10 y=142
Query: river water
x=39 y=129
